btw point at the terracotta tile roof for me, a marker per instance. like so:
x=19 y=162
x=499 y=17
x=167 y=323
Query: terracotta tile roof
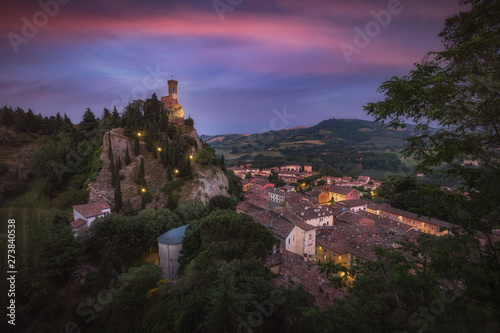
x=352 y=203
x=77 y=223
x=341 y=189
x=364 y=179
x=248 y=207
x=366 y=253
x=420 y=218
x=305 y=226
x=275 y=190
x=313 y=212
x=377 y=205
x=350 y=218
x=279 y=225
x=92 y=209
x=274 y=259
x=294 y=270
x=289 y=214
x=397 y=229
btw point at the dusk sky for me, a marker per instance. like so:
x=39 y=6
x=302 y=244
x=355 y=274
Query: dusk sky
x=243 y=66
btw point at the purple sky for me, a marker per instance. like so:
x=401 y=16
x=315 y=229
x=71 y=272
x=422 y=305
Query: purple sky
x=255 y=65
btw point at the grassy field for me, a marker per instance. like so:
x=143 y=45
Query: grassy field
x=26 y=221
x=306 y=142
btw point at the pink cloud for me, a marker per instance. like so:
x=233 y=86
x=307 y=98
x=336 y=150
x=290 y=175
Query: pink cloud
x=272 y=40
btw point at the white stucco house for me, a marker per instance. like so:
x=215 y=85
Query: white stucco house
x=84 y=215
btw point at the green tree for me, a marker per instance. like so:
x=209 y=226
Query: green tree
x=169 y=173
x=89 y=122
x=189 y=211
x=118 y=196
x=189 y=121
x=456 y=90
x=110 y=148
x=125 y=311
x=223 y=202
x=127 y=157
x=141 y=170
x=136 y=146
x=115 y=116
x=206 y=155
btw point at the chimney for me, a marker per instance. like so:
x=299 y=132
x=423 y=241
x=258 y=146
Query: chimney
x=281 y=249
x=274 y=248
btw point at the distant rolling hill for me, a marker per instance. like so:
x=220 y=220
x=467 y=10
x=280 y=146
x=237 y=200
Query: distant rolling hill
x=349 y=145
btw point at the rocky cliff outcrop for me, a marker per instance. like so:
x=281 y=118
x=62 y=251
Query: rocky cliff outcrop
x=207 y=183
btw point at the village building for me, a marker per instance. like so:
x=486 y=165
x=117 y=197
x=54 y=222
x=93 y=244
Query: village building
x=294 y=235
x=84 y=215
x=288 y=176
x=290 y=168
x=288 y=188
x=293 y=271
x=354 y=205
x=363 y=179
x=317 y=216
x=351 y=218
x=313 y=196
x=423 y=223
x=247 y=206
x=340 y=193
x=276 y=195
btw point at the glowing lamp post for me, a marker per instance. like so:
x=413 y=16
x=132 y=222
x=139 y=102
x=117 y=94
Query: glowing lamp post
x=143 y=190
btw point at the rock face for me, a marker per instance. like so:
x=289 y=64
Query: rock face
x=207 y=183
x=210 y=182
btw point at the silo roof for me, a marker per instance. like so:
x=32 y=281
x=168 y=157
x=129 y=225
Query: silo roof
x=173 y=236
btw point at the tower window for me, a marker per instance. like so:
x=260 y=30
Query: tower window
x=174 y=90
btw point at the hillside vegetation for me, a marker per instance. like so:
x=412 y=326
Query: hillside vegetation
x=350 y=146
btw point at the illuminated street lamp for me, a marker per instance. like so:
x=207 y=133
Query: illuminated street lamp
x=176 y=171
x=191 y=157
x=139 y=134
x=159 y=149
x=143 y=190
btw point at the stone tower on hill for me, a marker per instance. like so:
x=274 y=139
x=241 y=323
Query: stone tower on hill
x=171 y=104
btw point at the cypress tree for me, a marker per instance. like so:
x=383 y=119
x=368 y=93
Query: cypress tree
x=155 y=153
x=185 y=168
x=168 y=159
x=169 y=173
x=141 y=169
x=118 y=163
x=111 y=162
x=136 y=146
x=118 y=196
x=143 y=202
x=127 y=157
x=110 y=149
x=172 y=159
